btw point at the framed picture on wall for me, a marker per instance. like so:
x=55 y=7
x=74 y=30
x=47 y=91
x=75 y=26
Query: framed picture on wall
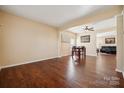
x=85 y=39
x=110 y=40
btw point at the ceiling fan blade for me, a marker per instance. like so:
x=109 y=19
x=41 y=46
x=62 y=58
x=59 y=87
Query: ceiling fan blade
x=91 y=30
x=83 y=28
x=86 y=28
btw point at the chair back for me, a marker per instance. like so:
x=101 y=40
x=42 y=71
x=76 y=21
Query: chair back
x=73 y=48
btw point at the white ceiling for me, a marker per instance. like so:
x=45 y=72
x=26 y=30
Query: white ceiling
x=106 y=34
x=52 y=15
x=108 y=23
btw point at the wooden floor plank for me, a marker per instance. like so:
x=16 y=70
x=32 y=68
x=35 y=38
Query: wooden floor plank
x=65 y=72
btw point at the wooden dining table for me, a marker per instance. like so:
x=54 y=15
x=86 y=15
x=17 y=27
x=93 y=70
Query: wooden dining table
x=78 y=51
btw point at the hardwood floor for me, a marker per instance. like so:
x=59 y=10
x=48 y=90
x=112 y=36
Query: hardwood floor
x=64 y=72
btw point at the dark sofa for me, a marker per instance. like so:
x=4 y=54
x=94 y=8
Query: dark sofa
x=108 y=49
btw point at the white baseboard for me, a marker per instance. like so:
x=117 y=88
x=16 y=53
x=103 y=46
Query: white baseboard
x=64 y=55
x=59 y=56
x=123 y=74
x=118 y=70
x=6 y=66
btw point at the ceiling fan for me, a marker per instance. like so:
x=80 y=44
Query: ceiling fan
x=86 y=28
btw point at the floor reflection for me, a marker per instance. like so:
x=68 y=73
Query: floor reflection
x=72 y=65
x=79 y=60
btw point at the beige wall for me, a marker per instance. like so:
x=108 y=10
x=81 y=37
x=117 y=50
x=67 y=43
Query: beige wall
x=101 y=41
x=90 y=47
x=27 y=41
x=65 y=42
x=123 y=40
x=0 y=47
x=0 y=40
x=120 y=41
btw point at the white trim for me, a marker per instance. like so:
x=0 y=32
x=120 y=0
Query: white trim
x=91 y=55
x=118 y=70
x=26 y=62
x=59 y=56
x=123 y=74
x=65 y=55
x=71 y=55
